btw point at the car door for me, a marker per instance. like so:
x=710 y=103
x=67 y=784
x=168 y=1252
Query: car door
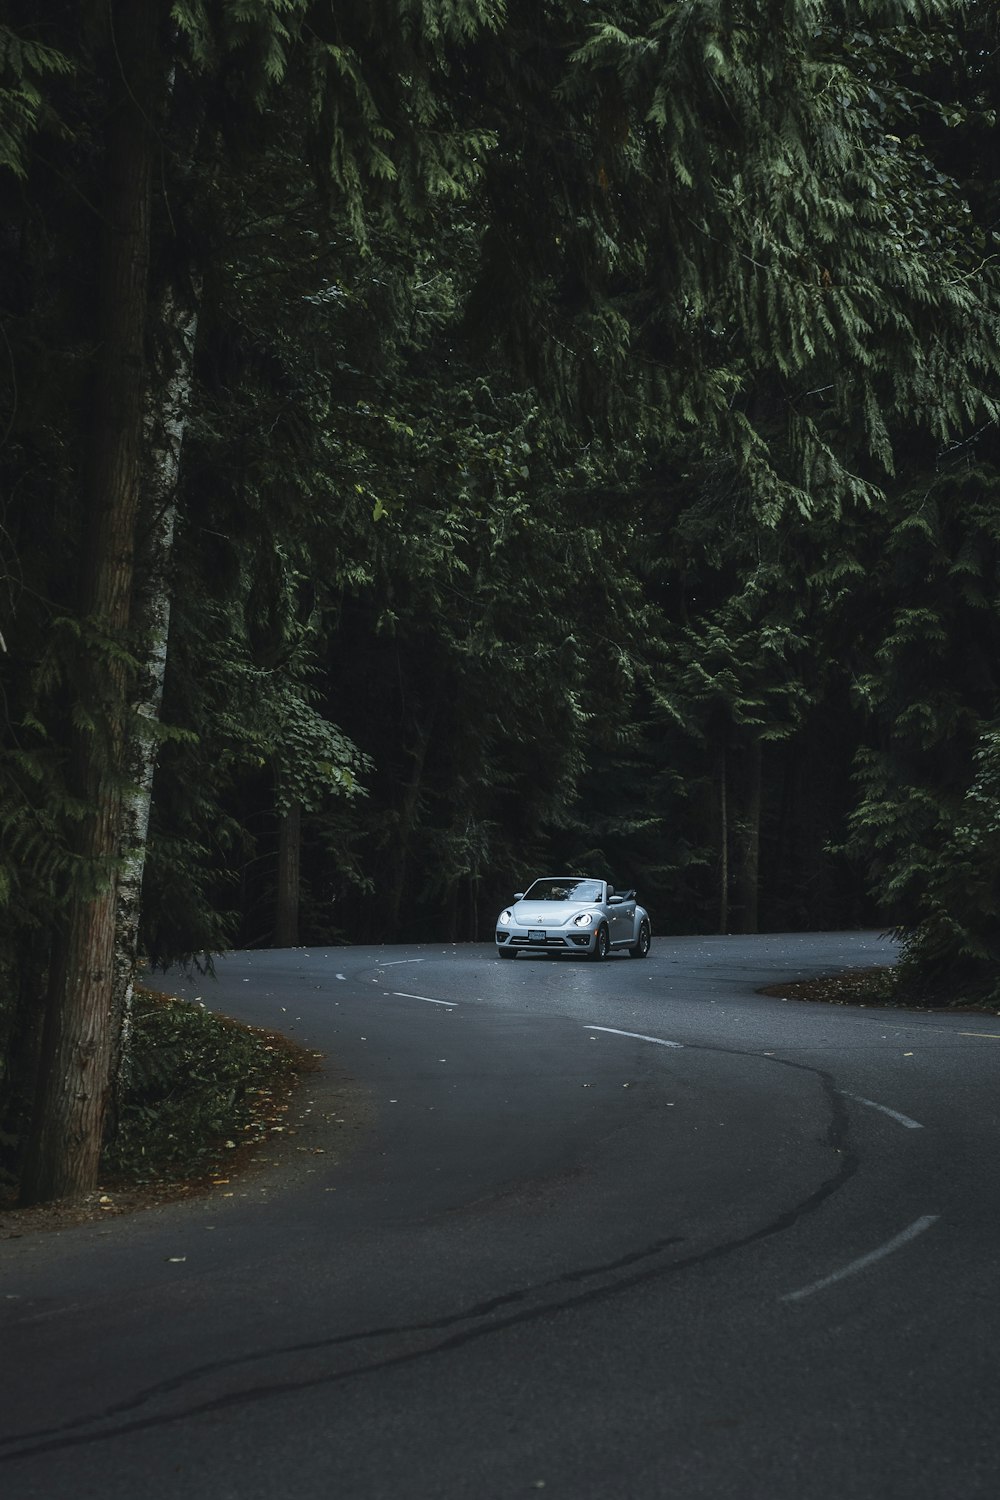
x=612 y=906
x=622 y=919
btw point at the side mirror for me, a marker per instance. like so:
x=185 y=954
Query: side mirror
x=518 y=895
x=615 y=900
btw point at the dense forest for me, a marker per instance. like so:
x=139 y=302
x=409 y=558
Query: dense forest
x=445 y=441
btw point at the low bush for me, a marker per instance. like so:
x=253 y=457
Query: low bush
x=198 y=1086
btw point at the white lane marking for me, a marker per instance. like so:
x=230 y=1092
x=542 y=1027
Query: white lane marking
x=993 y=1036
x=884 y=1109
x=404 y=996
x=636 y=1035
x=394 y=963
x=917 y=1227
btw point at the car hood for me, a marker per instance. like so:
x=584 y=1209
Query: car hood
x=548 y=913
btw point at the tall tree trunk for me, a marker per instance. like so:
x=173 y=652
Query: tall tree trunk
x=64 y=1150
x=747 y=839
x=408 y=814
x=286 y=927
x=723 y=839
x=165 y=426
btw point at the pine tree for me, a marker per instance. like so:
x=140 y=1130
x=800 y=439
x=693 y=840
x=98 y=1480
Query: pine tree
x=365 y=130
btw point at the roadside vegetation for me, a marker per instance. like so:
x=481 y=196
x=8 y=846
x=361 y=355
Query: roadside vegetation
x=202 y=1094
x=889 y=987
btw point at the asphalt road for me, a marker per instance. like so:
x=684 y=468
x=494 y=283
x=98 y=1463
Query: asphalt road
x=620 y=1231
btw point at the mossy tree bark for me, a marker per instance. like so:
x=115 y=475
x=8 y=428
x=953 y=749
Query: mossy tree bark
x=64 y=1149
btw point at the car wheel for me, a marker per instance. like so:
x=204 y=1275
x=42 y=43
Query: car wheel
x=640 y=947
x=601 y=944
x=506 y=953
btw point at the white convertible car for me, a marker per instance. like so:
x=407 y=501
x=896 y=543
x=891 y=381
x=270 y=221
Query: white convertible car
x=573 y=914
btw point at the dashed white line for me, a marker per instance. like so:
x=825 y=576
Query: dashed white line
x=394 y=963
x=635 y=1035
x=904 y=1238
x=884 y=1109
x=402 y=995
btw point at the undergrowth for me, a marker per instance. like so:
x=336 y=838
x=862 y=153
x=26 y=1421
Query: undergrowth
x=200 y=1087
x=887 y=987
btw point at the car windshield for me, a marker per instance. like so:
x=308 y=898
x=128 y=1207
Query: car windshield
x=567 y=889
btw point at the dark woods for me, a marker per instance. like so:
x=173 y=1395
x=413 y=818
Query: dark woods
x=445 y=447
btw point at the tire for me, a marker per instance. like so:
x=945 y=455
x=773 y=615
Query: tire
x=601 y=944
x=640 y=947
x=506 y=953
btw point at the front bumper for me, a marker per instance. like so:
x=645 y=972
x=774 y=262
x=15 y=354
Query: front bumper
x=547 y=940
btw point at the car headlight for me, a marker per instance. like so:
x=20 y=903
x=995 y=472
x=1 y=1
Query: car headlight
x=583 y=920
x=504 y=918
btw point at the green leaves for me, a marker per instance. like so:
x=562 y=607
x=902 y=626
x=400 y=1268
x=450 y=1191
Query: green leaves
x=26 y=65
x=198 y=1086
x=567 y=375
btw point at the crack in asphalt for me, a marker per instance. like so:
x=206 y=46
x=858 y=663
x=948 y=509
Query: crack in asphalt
x=70 y=1434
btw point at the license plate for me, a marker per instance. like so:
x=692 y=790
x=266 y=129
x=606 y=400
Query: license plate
x=536 y=937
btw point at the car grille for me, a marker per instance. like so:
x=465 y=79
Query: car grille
x=572 y=939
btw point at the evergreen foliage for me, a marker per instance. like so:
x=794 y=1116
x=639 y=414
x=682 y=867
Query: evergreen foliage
x=929 y=684
x=590 y=459
x=26 y=65
x=200 y=1088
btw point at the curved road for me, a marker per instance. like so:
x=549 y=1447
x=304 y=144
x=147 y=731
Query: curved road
x=620 y=1231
